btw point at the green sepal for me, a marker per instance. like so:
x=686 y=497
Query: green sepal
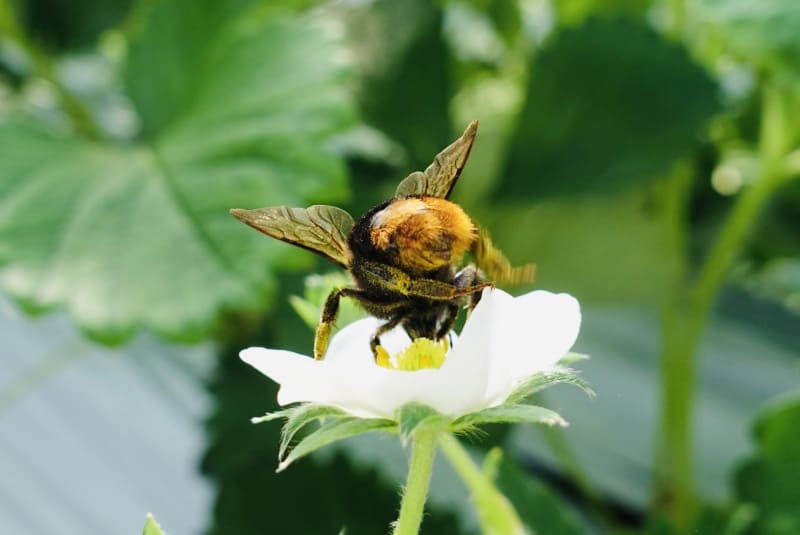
x=301 y=416
x=541 y=381
x=151 y=527
x=509 y=413
x=414 y=416
x=272 y=416
x=334 y=431
x=571 y=358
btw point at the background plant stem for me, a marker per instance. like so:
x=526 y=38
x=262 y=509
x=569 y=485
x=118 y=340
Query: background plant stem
x=496 y=514
x=423 y=451
x=687 y=310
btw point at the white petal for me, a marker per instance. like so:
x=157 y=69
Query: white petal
x=530 y=334
x=504 y=341
x=300 y=377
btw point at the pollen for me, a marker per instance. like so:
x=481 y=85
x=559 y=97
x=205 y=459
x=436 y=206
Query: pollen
x=421 y=354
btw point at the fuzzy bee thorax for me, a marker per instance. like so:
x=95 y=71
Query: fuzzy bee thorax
x=422 y=233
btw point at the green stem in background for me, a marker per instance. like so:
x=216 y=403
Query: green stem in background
x=687 y=311
x=44 y=67
x=496 y=514
x=423 y=451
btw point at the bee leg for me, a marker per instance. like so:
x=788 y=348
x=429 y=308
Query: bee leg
x=396 y=280
x=375 y=342
x=329 y=311
x=449 y=320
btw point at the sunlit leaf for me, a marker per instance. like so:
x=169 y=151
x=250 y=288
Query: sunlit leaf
x=140 y=235
x=151 y=527
x=763 y=32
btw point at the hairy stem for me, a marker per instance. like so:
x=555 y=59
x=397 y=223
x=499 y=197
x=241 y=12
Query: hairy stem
x=423 y=451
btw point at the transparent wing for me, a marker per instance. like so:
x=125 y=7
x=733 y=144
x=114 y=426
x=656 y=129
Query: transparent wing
x=494 y=263
x=440 y=176
x=320 y=228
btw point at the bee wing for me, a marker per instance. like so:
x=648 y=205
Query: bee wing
x=440 y=176
x=320 y=228
x=491 y=260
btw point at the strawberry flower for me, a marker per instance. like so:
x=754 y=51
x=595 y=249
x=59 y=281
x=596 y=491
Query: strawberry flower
x=424 y=391
x=505 y=342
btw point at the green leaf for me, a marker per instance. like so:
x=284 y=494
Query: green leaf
x=610 y=104
x=332 y=432
x=301 y=416
x=762 y=32
x=770 y=478
x=540 y=381
x=510 y=413
x=414 y=416
x=172 y=39
x=140 y=235
x=151 y=527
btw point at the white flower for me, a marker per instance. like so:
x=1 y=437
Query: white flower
x=505 y=341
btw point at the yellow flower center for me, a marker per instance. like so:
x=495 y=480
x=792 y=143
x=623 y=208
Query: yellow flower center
x=422 y=353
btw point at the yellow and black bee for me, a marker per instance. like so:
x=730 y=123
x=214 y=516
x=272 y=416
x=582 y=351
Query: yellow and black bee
x=402 y=254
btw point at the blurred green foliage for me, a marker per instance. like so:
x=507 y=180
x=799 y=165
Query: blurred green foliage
x=642 y=152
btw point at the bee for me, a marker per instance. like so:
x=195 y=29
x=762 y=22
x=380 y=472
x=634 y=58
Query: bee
x=402 y=254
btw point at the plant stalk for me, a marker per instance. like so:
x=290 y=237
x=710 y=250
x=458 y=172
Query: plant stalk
x=687 y=311
x=412 y=505
x=495 y=513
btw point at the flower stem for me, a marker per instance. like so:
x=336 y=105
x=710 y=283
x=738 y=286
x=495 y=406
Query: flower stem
x=496 y=514
x=423 y=451
x=686 y=312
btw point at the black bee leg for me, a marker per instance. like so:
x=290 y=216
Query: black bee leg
x=329 y=312
x=449 y=320
x=375 y=341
